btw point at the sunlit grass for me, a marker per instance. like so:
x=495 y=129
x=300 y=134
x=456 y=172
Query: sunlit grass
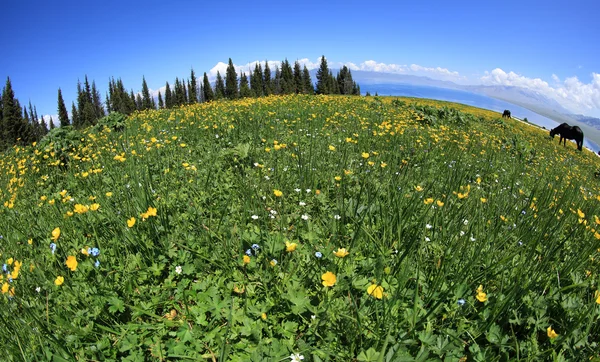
x=337 y=228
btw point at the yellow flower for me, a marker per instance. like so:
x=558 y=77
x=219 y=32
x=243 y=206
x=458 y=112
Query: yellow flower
x=375 y=290
x=109 y=194
x=81 y=209
x=15 y=273
x=30 y=241
x=331 y=148
x=62 y=193
x=55 y=234
x=84 y=251
x=277 y=193
x=329 y=279
x=597 y=297
x=9 y=261
x=289 y=247
x=481 y=296
x=365 y=155
x=94 y=207
x=580 y=214
x=338 y=178
x=383 y=165
x=341 y=252
x=263 y=316
x=5 y=287
x=440 y=203
x=483 y=200
x=71 y=263
x=131 y=222
x=418 y=188
x=551 y=333
x=59 y=280
x=428 y=201
x=246 y=259
x=151 y=211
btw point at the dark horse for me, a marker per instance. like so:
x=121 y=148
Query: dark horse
x=506 y=114
x=567 y=132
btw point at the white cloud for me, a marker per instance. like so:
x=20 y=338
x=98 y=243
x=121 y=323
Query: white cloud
x=571 y=93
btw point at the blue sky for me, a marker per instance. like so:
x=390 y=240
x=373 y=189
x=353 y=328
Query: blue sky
x=547 y=46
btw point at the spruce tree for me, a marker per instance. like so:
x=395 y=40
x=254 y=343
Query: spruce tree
x=323 y=77
x=256 y=81
x=219 y=87
x=97 y=103
x=139 y=102
x=146 y=102
x=52 y=126
x=277 y=81
x=107 y=103
x=345 y=82
x=208 y=92
x=244 y=86
x=13 y=126
x=74 y=115
x=287 y=83
x=193 y=88
x=168 y=96
x=63 y=116
x=307 y=85
x=267 y=81
x=161 y=105
x=298 y=84
x=231 y=82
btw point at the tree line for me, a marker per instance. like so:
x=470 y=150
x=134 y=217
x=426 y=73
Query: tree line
x=22 y=125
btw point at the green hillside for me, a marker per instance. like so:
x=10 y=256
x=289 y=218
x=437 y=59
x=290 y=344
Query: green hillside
x=330 y=227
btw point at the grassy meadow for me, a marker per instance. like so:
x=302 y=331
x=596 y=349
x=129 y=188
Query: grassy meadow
x=332 y=228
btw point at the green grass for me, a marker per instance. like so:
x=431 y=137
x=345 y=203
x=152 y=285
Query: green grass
x=478 y=234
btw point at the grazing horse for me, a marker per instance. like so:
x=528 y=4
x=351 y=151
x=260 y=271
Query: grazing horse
x=506 y=114
x=567 y=132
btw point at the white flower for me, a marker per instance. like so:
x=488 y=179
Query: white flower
x=428 y=226
x=313 y=317
x=305 y=217
x=465 y=221
x=296 y=357
x=267 y=178
x=297 y=190
x=38 y=289
x=273 y=212
x=178 y=269
x=337 y=217
x=462 y=233
x=427 y=239
x=255 y=164
x=472 y=238
x=302 y=203
x=254 y=217
x=308 y=191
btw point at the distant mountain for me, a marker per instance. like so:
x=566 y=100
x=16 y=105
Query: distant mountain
x=591 y=121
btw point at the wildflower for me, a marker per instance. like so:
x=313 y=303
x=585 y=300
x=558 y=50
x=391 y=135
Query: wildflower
x=297 y=190
x=131 y=222
x=289 y=247
x=329 y=279
x=254 y=217
x=428 y=201
x=255 y=247
x=302 y=203
x=38 y=289
x=109 y=194
x=308 y=191
x=365 y=155
x=178 y=269
x=418 y=188
x=597 y=297
x=551 y=333
x=97 y=263
x=440 y=203
x=428 y=226
x=94 y=207
x=375 y=291
x=331 y=148
x=246 y=259
x=305 y=217
x=81 y=209
x=5 y=287
x=481 y=296
x=59 y=280
x=338 y=178
x=94 y=251
x=85 y=251
x=337 y=217
x=53 y=247
x=30 y=241
x=4 y=268
x=277 y=193
x=71 y=263
x=55 y=234
x=460 y=302
x=341 y=252
x=580 y=214
x=248 y=252
x=263 y=316
x=273 y=262
x=318 y=254
x=296 y=357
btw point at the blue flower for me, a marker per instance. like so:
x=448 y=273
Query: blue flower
x=53 y=247
x=461 y=302
x=249 y=252
x=255 y=247
x=94 y=252
x=4 y=268
x=97 y=263
x=318 y=254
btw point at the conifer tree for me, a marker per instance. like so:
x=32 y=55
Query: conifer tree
x=208 y=92
x=74 y=115
x=146 y=102
x=277 y=81
x=107 y=103
x=52 y=126
x=333 y=86
x=63 y=116
x=344 y=80
x=97 y=103
x=193 y=88
x=139 y=102
x=12 y=125
x=267 y=81
x=323 y=77
x=307 y=85
x=231 y=82
x=244 y=86
x=168 y=96
x=161 y=105
x=298 y=84
x=219 y=87
x=287 y=83
x=256 y=81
